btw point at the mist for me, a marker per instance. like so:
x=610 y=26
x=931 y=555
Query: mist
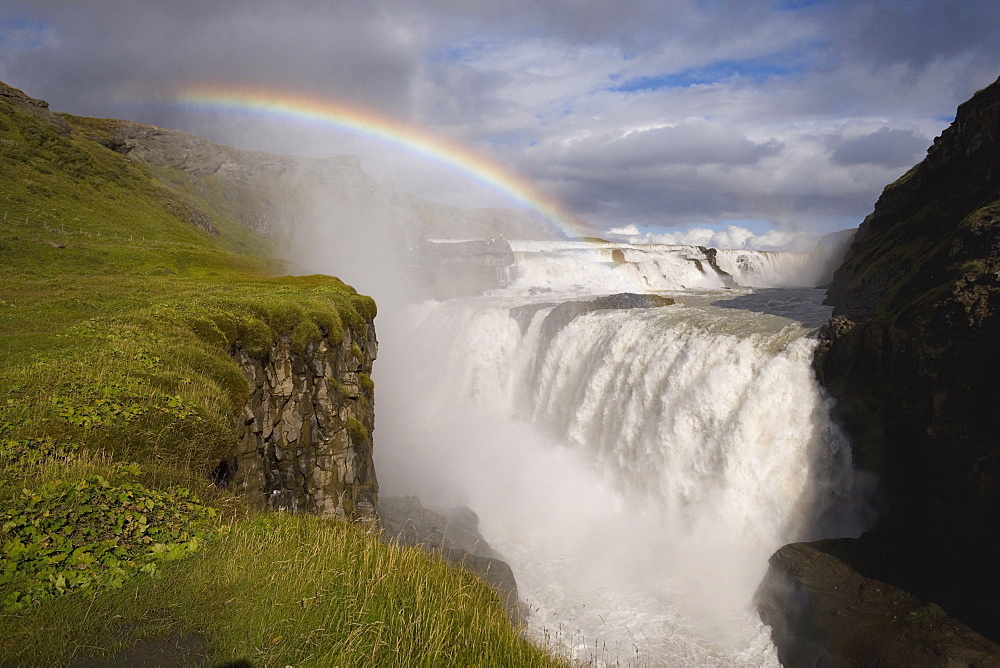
x=636 y=469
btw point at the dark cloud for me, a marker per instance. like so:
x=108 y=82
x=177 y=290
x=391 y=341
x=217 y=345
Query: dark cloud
x=680 y=198
x=103 y=49
x=886 y=147
x=685 y=144
x=461 y=95
x=915 y=33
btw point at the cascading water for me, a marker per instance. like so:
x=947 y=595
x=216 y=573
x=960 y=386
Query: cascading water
x=636 y=467
x=771 y=269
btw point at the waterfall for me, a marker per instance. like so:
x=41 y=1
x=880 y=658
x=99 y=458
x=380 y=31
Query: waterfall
x=772 y=269
x=636 y=467
x=601 y=268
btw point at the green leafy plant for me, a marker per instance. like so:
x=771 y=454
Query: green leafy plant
x=25 y=453
x=92 y=533
x=97 y=411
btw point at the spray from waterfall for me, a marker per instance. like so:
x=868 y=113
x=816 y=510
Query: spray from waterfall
x=637 y=467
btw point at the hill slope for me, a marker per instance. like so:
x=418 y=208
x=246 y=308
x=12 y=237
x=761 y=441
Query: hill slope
x=127 y=291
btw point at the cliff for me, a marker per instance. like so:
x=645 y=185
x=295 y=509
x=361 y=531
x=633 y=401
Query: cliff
x=305 y=441
x=911 y=359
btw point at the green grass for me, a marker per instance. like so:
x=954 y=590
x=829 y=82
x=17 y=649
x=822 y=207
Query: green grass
x=118 y=390
x=283 y=590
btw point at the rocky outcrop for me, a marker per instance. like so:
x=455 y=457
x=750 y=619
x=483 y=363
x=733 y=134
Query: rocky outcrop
x=710 y=256
x=825 y=609
x=39 y=109
x=454 y=534
x=911 y=358
x=306 y=435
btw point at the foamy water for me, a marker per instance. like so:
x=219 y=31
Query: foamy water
x=635 y=467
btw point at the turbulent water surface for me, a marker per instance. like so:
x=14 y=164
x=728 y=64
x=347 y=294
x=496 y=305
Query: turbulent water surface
x=636 y=467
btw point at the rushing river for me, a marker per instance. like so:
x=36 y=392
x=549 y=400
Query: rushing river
x=635 y=467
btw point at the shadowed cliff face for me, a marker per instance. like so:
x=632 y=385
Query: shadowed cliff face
x=911 y=356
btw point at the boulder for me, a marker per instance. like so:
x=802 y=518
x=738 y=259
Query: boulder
x=825 y=608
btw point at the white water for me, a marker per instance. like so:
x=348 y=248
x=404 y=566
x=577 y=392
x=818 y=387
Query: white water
x=636 y=468
x=602 y=268
x=767 y=269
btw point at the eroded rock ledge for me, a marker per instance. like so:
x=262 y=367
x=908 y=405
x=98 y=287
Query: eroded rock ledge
x=563 y=313
x=306 y=434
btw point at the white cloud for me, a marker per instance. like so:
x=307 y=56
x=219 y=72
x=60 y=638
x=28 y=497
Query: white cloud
x=733 y=236
x=627 y=231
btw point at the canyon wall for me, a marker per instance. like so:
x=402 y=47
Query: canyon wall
x=911 y=357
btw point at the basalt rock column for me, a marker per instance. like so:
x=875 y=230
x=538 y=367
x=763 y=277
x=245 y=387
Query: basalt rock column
x=306 y=434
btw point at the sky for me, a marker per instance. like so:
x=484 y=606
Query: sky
x=736 y=124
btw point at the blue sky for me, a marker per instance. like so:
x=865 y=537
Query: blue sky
x=665 y=115
x=756 y=70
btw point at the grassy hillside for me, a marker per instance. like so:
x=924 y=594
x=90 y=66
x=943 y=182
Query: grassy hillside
x=122 y=294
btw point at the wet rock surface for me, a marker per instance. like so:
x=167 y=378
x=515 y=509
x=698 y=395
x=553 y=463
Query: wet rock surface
x=710 y=255
x=562 y=314
x=454 y=533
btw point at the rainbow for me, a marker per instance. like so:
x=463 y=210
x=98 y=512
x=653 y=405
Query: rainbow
x=292 y=106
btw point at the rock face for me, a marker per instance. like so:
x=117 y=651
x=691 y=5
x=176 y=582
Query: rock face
x=306 y=437
x=29 y=105
x=455 y=535
x=711 y=257
x=912 y=358
x=564 y=313
x=824 y=609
